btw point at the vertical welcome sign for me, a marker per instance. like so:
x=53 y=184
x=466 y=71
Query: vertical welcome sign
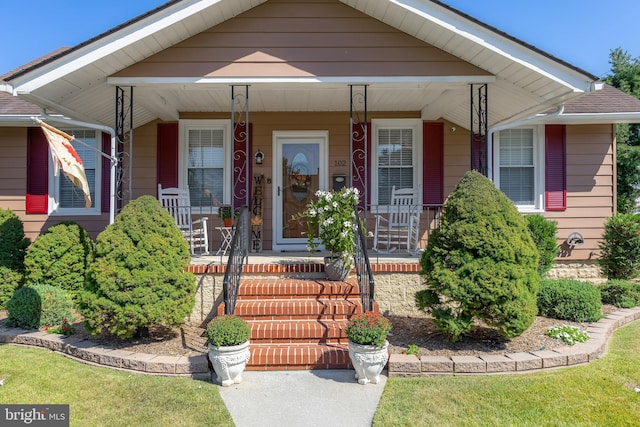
x=256 y=213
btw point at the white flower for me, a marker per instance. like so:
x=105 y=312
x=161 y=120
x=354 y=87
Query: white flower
x=334 y=204
x=347 y=224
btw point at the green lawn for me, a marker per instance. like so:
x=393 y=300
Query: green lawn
x=598 y=394
x=104 y=397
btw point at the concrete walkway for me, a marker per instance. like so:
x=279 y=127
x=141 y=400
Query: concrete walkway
x=302 y=399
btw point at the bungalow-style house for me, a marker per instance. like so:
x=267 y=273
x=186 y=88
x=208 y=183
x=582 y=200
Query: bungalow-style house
x=261 y=102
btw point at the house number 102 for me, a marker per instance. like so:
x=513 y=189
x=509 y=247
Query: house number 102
x=340 y=163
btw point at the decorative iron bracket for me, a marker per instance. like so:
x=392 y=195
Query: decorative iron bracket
x=358 y=140
x=479 y=127
x=241 y=146
x=124 y=133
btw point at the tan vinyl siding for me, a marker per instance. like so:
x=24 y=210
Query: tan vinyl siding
x=301 y=39
x=590 y=187
x=13 y=188
x=145 y=157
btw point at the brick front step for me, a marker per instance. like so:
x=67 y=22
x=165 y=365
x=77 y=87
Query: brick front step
x=269 y=357
x=299 y=331
x=297 y=323
x=296 y=309
x=270 y=288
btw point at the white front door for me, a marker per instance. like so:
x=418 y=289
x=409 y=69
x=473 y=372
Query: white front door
x=300 y=169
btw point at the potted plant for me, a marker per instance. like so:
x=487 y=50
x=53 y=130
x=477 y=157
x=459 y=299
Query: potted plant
x=228 y=340
x=226 y=213
x=367 y=334
x=332 y=218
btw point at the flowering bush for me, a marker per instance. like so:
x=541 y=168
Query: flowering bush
x=568 y=334
x=332 y=218
x=65 y=328
x=368 y=329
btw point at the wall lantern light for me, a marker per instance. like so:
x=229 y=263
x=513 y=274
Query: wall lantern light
x=259 y=157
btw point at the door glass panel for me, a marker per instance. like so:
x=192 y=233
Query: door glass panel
x=300 y=181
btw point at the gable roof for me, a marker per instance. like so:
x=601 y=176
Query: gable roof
x=524 y=80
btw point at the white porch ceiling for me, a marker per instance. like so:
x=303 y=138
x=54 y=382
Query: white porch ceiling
x=77 y=84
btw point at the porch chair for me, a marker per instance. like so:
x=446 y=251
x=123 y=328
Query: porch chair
x=398 y=224
x=177 y=202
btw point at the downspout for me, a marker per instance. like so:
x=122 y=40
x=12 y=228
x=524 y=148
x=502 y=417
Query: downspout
x=111 y=157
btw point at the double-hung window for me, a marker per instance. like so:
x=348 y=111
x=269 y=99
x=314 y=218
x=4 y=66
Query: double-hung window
x=67 y=199
x=396 y=157
x=519 y=172
x=202 y=165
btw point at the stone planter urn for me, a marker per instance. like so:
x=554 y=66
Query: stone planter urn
x=229 y=362
x=368 y=361
x=335 y=268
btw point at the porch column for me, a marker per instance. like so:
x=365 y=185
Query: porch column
x=124 y=133
x=478 y=126
x=359 y=141
x=241 y=146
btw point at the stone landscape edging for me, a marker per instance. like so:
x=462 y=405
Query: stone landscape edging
x=407 y=366
x=195 y=366
x=400 y=365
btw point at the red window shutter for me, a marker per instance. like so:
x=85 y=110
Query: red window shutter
x=555 y=168
x=361 y=162
x=167 y=154
x=240 y=161
x=37 y=172
x=432 y=163
x=106 y=173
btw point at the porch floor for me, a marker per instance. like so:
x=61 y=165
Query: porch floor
x=304 y=257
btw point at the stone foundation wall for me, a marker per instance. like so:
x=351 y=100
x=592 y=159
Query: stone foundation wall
x=588 y=271
x=208 y=297
x=395 y=287
x=395 y=293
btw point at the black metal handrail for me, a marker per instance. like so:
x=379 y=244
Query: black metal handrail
x=237 y=256
x=366 y=283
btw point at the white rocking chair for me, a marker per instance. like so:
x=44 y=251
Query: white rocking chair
x=398 y=224
x=177 y=202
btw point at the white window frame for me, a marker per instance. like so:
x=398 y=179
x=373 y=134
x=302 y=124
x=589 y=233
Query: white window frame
x=538 y=166
x=54 y=181
x=184 y=127
x=416 y=126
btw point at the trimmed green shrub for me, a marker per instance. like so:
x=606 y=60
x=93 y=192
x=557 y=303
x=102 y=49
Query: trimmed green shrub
x=137 y=277
x=59 y=257
x=225 y=331
x=620 y=247
x=480 y=263
x=39 y=305
x=543 y=232
x=10 y=280
x=621 y=293
x=13 y=245
x=569 y=299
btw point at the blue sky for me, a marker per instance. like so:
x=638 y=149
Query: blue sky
x=581 y=32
